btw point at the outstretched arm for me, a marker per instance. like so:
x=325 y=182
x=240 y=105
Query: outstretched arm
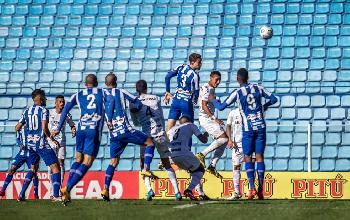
x=66 y=109
x=229 y=101
x=268 y=95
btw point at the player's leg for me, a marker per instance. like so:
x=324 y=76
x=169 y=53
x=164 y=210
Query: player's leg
x=174 y=113
x=146 y=179
x=18 y=162
x=247 y=142
x=35 y=180
x=61 y=155
x=49 y=173
x=79 y=156
x=260 y=144
x=34 y=159
x=237 y=160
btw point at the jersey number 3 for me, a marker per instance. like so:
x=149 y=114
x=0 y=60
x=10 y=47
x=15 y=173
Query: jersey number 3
x=91 y=104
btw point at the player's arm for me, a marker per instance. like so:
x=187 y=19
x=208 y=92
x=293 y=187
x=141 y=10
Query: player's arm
x=207 y=111
x=168 y=77
x=229 y=123
x=202 y=137
x=18 y=128
x=109 y=112
x=195 y=86
x=45 y=127
x=71 y=124
x=268 y=95
x=161 y=116
x=133 y=114
x=229 y=100
x=72 y=102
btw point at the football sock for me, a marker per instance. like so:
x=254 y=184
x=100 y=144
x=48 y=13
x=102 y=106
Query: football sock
x=7 y=182
x=49 y=174
x=56 y=183
x=109 y=176
x=195 y=179
x=217 y=155
x=147 y=180
x=36 y=184
x=27 y=181
x=72 y=170
x=199 y=189
x=214 y=145
x=78 y=175
x=261 y=174
x=249 y=167
x=236 y=179
x=172 y=177
x=149 y=151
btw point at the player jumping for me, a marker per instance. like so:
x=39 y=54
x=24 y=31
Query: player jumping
x=122 y=133
x=211 y=124
x=187 y=91
x=151 y=119
x=91 y=102
x=180 y=150
x=249 y=101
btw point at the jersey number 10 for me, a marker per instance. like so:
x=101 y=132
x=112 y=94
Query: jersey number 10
x=33 y=122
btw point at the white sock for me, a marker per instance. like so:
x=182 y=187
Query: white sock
x=173 y=180
x=217 y=155
x=236 y=179
x=63 y=170
x=214 y=145
x=195 y=179
x=199 y=189
x=148 y=183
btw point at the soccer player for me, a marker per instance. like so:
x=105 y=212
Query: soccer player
x=21 y=158
x=91 y=102
x=36 y=132
x=54 y=119
x=180 y=151
x=151 y=119
x=122 y=133
x=187 y=91
x=249 y=100
x=211 y=124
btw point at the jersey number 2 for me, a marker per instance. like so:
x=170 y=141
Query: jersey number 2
x=91 y=104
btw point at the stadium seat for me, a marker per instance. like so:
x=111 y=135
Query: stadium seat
x=327 y=165
x=342 y=165
x=296 y=165
x=280 y=164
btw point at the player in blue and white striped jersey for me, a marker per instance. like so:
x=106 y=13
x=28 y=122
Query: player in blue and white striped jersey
x=249 y=98
x=122 y=133
x=36 y=134
x=187 y=91
x=91 y=102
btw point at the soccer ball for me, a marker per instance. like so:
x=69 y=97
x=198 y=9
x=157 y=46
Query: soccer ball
x=266 y=32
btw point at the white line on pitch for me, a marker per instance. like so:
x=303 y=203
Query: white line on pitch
x=194 y=204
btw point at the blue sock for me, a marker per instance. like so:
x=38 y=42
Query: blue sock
x=72 y=170
x=36 y=184
x=109 y=176
x=27 y=181
x=78 y=175
x=149 y=151
x=7 y=182
x=261 y=174
x=56 y=183
x=249 y=167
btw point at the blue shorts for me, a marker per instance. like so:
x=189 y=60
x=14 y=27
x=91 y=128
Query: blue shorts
x=47 y=154
x=180 y=107
x=88 y=142
x=254 y=141
x=118 y=144
x=22 y=158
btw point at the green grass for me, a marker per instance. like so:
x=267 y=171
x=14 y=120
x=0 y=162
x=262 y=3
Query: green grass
x=164 y=209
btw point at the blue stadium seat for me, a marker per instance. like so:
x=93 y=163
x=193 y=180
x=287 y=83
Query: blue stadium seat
x=125 y=165
x=329 y=152
x=285 y=139
x=287 y=101
x=342 y=165
x=9 y=139
x=280 y=164
x=282 y=152
x=327 y=165
x=337 y=113
x=288 y=113
x=296 y=165
x=97 y=165
x=344 y=152
x=333 y=101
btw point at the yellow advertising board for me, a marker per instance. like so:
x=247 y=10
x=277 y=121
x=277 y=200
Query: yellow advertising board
x=277 y=185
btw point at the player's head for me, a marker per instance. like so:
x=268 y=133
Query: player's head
x=59 y=102
x=141 y=87
x=184 y=119
x=215 y=79
x=39 y=98
x=195 y=61
x=242 y=76
x=91 y=81
x=111 y=80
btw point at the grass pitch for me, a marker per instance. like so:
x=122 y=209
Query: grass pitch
x=167 y=209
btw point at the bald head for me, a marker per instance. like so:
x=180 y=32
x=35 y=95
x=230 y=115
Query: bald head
x=111 y=80
x=91 y=81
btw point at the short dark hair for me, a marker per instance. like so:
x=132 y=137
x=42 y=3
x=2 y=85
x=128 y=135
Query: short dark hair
x=59 y=97
x=215 y=73
x=194 y=56
x=243 y=73
x=38 y=92
x=91 y=79
x=141 y=86
x=111 y=79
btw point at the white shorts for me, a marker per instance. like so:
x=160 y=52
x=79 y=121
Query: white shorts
x=187 y=162
x=60 y=152
x=238 y=156
x=213 y=128
x=162 y=144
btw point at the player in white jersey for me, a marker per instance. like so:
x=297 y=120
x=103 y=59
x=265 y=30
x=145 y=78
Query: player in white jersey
x=54 y=119
x=180 y=151
x=211 y=124
x=150 y=117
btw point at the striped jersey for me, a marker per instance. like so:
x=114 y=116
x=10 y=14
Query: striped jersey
x=32 y=118
x=187 y=83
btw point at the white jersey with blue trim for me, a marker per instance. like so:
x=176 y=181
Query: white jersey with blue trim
x=32 y=118
x=53 y=124
x=249 y=101
x=234 y=119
